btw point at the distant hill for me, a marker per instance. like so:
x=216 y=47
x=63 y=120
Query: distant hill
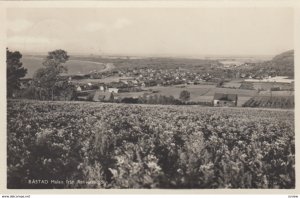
x=284 y=63
x=281 y=65
x=284 y=59
x=287 y=56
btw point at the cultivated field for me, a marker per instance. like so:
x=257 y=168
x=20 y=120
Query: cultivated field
x=271 y=102
x=96 y=145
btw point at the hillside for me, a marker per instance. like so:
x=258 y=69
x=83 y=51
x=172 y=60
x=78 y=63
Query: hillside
x=284 y=63
x=281 y=65
x=285 y=57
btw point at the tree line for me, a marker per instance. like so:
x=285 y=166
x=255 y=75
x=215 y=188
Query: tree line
x=47 y=82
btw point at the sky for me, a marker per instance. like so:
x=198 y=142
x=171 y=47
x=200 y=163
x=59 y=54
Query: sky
x=151 y=31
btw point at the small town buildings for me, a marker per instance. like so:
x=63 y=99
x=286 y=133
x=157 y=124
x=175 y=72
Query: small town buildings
x=221 y=100
x=100 y=96
x=101 y=88
x=113 y=90
x=78 y=88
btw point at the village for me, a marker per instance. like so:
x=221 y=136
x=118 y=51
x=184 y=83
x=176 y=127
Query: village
x=130 y=85
x=162 y=81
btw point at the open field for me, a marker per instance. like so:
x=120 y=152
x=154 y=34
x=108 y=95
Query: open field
x=199 y=93
x=195 y=90
x=74 y=66
x=103 y=80
x=278 y=79
x=148 y=146
x=276 y=93
x=263 y=85
x=269 y=85
x=232 y=84
x=204 y=93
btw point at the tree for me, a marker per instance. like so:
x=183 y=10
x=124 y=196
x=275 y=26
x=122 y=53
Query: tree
x=46 y=78
x=64 y=90
x=56 y=59
x=184 y=95
x=14 y=71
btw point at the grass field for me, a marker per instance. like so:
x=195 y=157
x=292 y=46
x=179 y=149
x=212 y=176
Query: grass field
x=74 y=66
x=103 y=80
x=269 y=85
x=276 y=93
x=204 y=93
x=232 y=84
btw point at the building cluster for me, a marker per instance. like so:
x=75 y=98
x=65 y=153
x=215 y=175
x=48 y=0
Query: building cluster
x=165 y=77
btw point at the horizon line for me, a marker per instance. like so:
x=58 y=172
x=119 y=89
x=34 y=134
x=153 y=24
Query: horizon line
x=163 y=55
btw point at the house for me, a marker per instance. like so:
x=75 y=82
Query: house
x=221 y=100
x=101 y=87
x=102 y=96
x=78 y=88
x=116 y=84
x=113 y=90
x=124 y=82
x=135 y=82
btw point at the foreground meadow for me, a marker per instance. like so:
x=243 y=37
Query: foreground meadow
x=94 y=145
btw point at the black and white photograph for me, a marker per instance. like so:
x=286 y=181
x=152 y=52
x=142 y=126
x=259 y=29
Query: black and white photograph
x=150 y=97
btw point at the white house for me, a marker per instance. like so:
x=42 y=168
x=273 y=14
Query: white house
x=221 y=100
x=113 y=90
x=78 y=88
x=101 y=88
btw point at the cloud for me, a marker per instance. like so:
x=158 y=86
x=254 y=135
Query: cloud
x=19 y=25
